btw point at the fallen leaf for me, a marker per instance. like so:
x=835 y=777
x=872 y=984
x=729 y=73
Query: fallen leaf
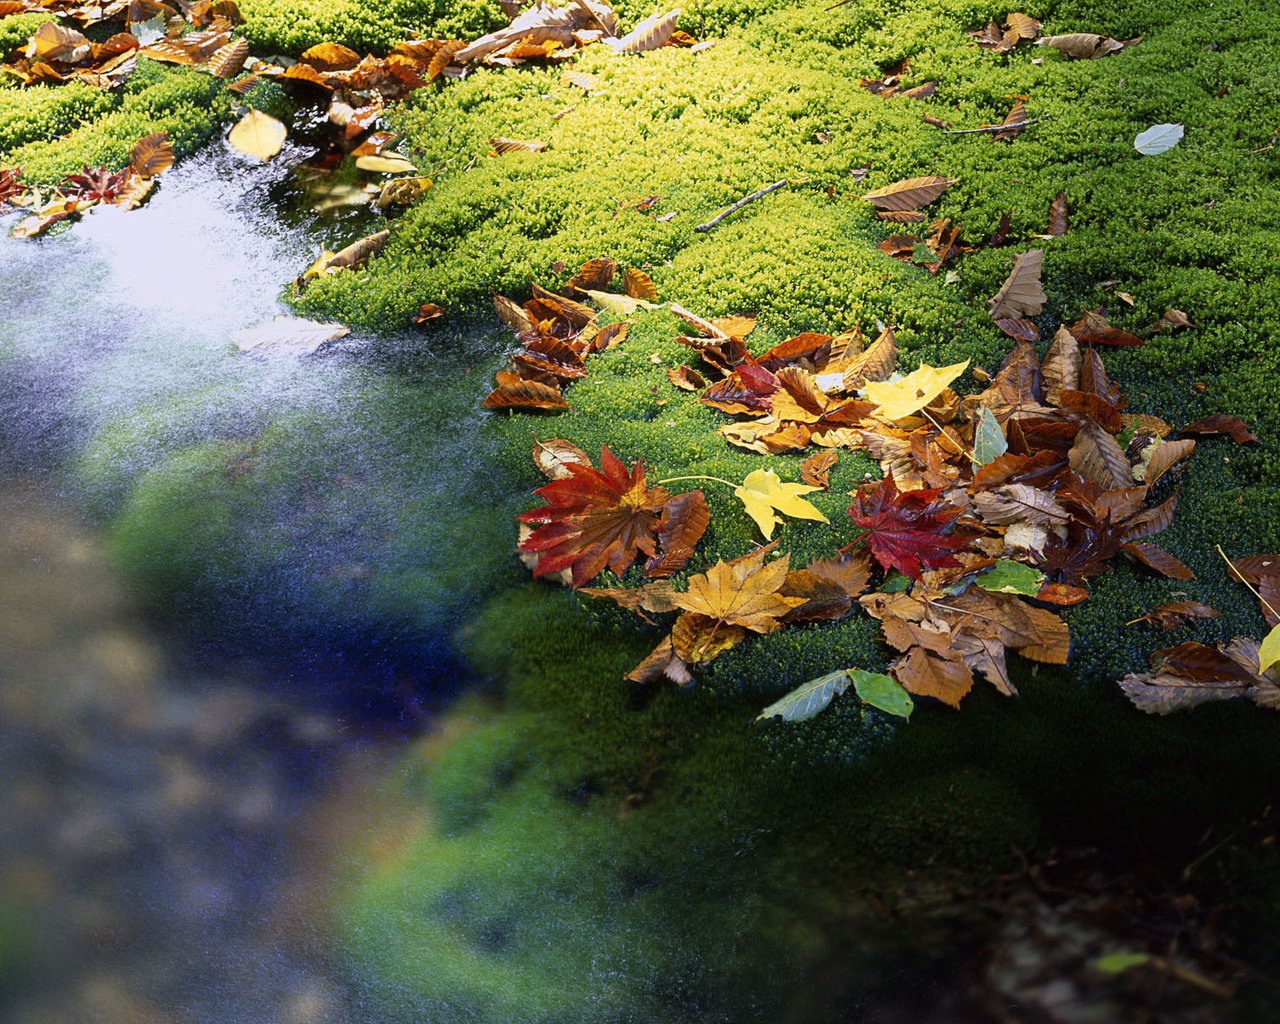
x=762 y=492
x=384 y=163
x=593 y=519
x=815 y=470
x=527 y=395
x=1058 y=216
x=503 y=146
x=258 y=135
x=908 y=195
x=287 y=332
x=1082 y=45
x=638 y=285
x=908 y=531
x=652 y=33
x=1021 y=294
x=1157 y=139
x=1213 y=426
x=896 y=400
x=151 y=155
x=744 y=593
x=554 y=457
x=927 y=674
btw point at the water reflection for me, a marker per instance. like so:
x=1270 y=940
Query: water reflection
x=157 y=861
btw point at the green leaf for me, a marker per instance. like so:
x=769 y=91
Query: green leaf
x=1118 y=963
x=988 y=439
x=896 y=583
x=1269 y=652
x=883 y=692
x=807 y=699
x=1009 y=577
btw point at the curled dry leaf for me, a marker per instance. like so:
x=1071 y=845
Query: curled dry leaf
x=554 y=457
x=151 y=155
x=652 y=33
x=503 y=146
x=1082 y=45
x=816 y=469
x=686 y=378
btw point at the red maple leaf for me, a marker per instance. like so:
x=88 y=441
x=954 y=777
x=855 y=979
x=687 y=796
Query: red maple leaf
x=907 y=530
x=594 y=518
x=96 y=183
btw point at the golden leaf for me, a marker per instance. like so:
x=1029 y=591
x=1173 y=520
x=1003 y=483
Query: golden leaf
x=652 y=33
x=151 y=155
x=741 y=593
x=638 y=285
x=899 y=399
x=762 y=492
x=258 y=135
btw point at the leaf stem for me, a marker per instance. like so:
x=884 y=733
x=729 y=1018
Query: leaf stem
x=713 y=479
x=970 y=455
x=989 y=128
x=1238 y=575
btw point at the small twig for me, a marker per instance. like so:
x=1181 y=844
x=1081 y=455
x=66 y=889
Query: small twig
x=967 y=453
x=987 y=129
x=739 y=205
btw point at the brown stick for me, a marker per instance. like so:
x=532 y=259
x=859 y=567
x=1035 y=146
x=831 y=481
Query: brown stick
x=739 y=205
x=987 y=128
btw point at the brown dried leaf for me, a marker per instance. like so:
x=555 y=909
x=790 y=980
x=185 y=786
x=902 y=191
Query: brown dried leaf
x=909 y=194
x=503 y=146
x=1082 y=45
x=1061 y=366
x=1021 y=294
x=526 y=395
x=654 y=32
x=929 y=674
x=554 y=457
x=595 y=275
x=1158 y=560
x=1058 y=216
x=151 y=155
x=816 y=469
x=1098 y=457
x=1212 y=426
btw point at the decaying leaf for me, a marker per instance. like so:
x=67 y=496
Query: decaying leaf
x=1159 y=138
x=1082 y=45
x=638 y=285
x=503 y=146
x=652 y=33
x=815 y=470
x=287 y=332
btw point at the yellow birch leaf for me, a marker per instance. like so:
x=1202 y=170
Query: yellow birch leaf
x=259 y=135
x=902 y=398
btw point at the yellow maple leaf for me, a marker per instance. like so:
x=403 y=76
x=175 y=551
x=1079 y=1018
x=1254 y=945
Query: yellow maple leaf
x=762 y=492
x=902 y=398
x=742 y=593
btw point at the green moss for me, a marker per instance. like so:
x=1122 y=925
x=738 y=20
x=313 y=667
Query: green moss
x=291 y=26
x=57 y=130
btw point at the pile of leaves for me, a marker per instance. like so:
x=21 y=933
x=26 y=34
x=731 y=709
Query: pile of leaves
x=556 y=333
x=996 y=509
x=1018 y=27
x=149 y=157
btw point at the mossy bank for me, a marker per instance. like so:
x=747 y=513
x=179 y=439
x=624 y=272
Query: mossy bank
x=527 y=898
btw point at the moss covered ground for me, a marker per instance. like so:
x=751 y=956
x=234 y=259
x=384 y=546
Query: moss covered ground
x=581 y=852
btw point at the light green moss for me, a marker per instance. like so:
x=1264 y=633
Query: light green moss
x=16 y=29
x=98 y=131
x=291 y=26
